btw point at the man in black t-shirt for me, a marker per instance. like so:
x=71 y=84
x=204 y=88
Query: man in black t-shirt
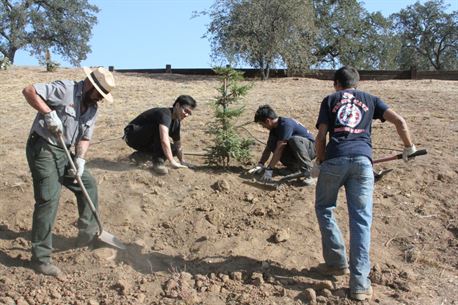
x=289 y=142
x=150 y=133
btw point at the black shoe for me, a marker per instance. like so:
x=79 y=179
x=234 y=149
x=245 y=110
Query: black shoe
x=159 y=167
x=139 y=157
x=47 y=269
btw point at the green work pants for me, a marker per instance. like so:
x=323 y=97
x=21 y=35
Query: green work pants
x=49 y=164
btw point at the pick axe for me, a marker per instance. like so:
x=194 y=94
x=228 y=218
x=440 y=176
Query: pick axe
x=380 y=174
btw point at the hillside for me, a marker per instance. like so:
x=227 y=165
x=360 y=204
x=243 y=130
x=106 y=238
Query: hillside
x=203 y=236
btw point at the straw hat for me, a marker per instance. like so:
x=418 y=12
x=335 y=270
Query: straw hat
x=103 y=81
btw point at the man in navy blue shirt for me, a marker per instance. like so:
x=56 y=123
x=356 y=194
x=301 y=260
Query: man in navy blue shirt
x=289 y=141
x=346 y=160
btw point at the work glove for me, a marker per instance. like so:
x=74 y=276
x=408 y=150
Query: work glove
x=256 y=170
x=267 y=177
x=79 y=164
x=53 y=122
x=176 y=165
x=315 y=171
x=407 y=152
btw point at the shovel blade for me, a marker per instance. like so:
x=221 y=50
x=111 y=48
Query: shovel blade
x=112 y=240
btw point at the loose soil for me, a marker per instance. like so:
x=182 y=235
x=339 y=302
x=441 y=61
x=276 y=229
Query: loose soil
x=202 y=236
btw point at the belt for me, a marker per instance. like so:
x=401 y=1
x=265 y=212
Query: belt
x=35 y=136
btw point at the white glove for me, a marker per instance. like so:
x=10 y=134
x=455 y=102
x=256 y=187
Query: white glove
x=267 y=177
x=257 y=169
x=53 y=122
x=176 y=165
x=79 y=164
x=315 y=171
x=407 y=152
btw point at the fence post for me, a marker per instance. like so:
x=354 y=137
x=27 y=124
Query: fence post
x=413 y=72
x=111 y=68
x=168 y=68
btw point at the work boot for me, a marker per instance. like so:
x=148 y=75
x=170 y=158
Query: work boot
x=159 y=167
x=362 y=295
x=47 y=269
x=84 y=240
x=328 y=270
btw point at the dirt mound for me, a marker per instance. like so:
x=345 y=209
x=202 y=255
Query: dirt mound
x=202 y=236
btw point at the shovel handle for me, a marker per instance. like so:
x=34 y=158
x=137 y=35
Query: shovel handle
x=419 y=152
x=80 y=183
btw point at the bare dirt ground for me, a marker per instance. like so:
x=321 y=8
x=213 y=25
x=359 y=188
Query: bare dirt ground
x=203 y=236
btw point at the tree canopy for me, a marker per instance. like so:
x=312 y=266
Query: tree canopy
x=301 y=34
x=429 y=36
x=348 y=35
x=261 y=33
x=64 y=26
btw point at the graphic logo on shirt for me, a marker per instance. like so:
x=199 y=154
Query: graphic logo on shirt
x=349 y=115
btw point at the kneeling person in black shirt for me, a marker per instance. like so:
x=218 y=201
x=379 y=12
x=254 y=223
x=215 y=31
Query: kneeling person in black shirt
x=150 y=133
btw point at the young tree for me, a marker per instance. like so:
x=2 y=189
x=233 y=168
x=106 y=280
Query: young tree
x=228 y=144
x=38 y=25
x=261 y=33
x=429 y=35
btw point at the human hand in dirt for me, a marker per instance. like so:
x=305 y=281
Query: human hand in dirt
x=176 y=165
x=407 y=152
x=53 y=122
x=256 y=170
x=267 y=177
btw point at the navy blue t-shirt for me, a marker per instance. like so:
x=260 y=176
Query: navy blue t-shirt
x=349 y=114
x=285 y=130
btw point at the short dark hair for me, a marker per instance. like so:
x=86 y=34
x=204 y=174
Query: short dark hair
x=186 y=100
x=264 y=112
x=347 y=77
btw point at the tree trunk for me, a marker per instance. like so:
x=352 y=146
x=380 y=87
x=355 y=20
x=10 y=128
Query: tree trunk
x=11 y=54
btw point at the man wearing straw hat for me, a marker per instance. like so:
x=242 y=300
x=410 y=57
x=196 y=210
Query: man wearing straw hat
x=68 y=108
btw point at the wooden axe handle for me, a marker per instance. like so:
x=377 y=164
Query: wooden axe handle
x=420 y=152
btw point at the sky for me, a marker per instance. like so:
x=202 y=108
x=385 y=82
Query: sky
x=148 y=34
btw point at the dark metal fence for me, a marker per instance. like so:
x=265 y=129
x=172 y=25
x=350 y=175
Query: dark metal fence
x=318 y=74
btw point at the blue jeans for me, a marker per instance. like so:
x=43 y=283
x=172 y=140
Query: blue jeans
x=355 y=173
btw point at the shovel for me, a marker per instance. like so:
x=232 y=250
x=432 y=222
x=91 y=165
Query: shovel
x=102 y=235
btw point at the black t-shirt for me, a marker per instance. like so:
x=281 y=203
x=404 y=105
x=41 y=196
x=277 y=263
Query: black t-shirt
x=159 y=116
x=349 y=114
x=287 y=128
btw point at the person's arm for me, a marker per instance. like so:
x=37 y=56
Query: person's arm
x=81 y=148
x=35 y=100
x=277 y=153
x=265 y=156
x=401 y=126
x=179 y=151
x=165 y=142
x=320 y=142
